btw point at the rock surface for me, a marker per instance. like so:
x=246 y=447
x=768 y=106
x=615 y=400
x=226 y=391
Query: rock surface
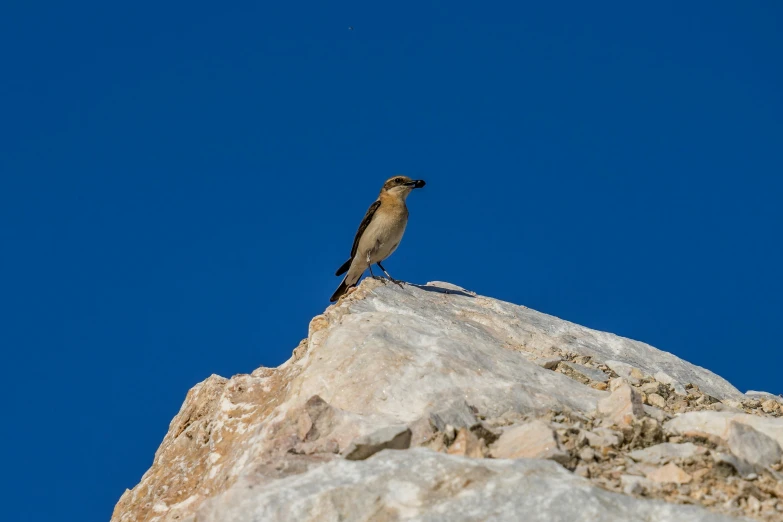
x=457 y=378
x=422 y=485
x=532 y=440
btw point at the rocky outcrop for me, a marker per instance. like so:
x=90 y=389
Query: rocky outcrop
x=431 y=403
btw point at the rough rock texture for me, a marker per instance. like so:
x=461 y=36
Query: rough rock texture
x=534 y=440
x=451 y=376
x=422 y=485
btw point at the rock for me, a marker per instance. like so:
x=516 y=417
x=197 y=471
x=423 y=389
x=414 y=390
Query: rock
x=393 y=437
x=742 y=467
x=752 y=446
x=770 y=406
x=717 y=423
x=669 y=473
x=550 y=363
x=719 y=406
x=535 y=440
x=754 y=504
x=625 y=370
x=582 y=470
x=665 y=378
x=466 y=444
x=622 y=406
x=653 y=399
x=428 y=358
x=587 y=454
x=666 y=452
x=633 y=484
x=581 y=373
x=762 y=395
x=651 y=387
x=457 y=414
x=423 y=485
x=603 y=438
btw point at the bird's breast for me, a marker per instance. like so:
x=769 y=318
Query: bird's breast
x=384 y=233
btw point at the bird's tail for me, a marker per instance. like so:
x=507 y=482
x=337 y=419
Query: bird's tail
x=344 y=268
x=344 y=286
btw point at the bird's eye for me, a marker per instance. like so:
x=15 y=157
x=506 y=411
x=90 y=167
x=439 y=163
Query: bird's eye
x=398 y=180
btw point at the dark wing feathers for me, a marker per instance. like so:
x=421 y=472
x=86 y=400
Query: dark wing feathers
x=365 y=222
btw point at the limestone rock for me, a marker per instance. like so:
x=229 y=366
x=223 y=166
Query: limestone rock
x=653 y=399
x=603 y=438
x=718 y=423
x=742 y=467
x=582 y=373
x=625 y=370
x=670 y=473
x=763 y=395
x=550 y=363
x=467 y=444
x=535 y=440
x=634 y=484
x=666 y=452
x=752 y=446
x=458 y=415
x=665 y=378
x=623 y=405
x=431 y=365
x=392 y=437
x=427 y=486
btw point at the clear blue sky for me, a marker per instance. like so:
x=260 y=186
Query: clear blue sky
x=180 y=182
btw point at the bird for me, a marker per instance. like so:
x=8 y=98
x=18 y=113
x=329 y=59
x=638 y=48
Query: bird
x=379 y=233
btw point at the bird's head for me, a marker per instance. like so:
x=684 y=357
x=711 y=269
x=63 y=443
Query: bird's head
x=401 y=186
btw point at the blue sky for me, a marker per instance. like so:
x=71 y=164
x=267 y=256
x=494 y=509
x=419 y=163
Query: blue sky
x=180 y=181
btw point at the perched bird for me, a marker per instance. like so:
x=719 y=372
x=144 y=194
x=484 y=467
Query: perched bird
x=380 y=232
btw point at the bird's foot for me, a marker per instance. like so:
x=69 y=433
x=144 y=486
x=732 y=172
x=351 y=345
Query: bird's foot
x=396 y=282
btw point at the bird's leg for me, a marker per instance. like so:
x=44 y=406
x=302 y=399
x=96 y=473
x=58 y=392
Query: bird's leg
x=370 y=267
x=387 y=275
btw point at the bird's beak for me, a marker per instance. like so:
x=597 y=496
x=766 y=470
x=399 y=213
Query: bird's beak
x=417 y=183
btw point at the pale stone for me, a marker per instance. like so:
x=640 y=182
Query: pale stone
x=754 y=504
x=550 y=363
x=603 y=438
x=392 y=437
x=583 y=373
x=717 y=423
x=587 y=454
x=653 y=399
x=535 y=440
x=582 y=469
x=651 y=387
x=457 y=414
x=624 y=370
x=665 y=378
x=762 y=395
x=384 y=357
x=666 y=452
x=466 y=444
x=752 y=446
x=633 y=484
x=744 y=468
x=426 y=486
x=622 y=406
x=670 y=473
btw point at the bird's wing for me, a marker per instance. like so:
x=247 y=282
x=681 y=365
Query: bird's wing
x=365 y=222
